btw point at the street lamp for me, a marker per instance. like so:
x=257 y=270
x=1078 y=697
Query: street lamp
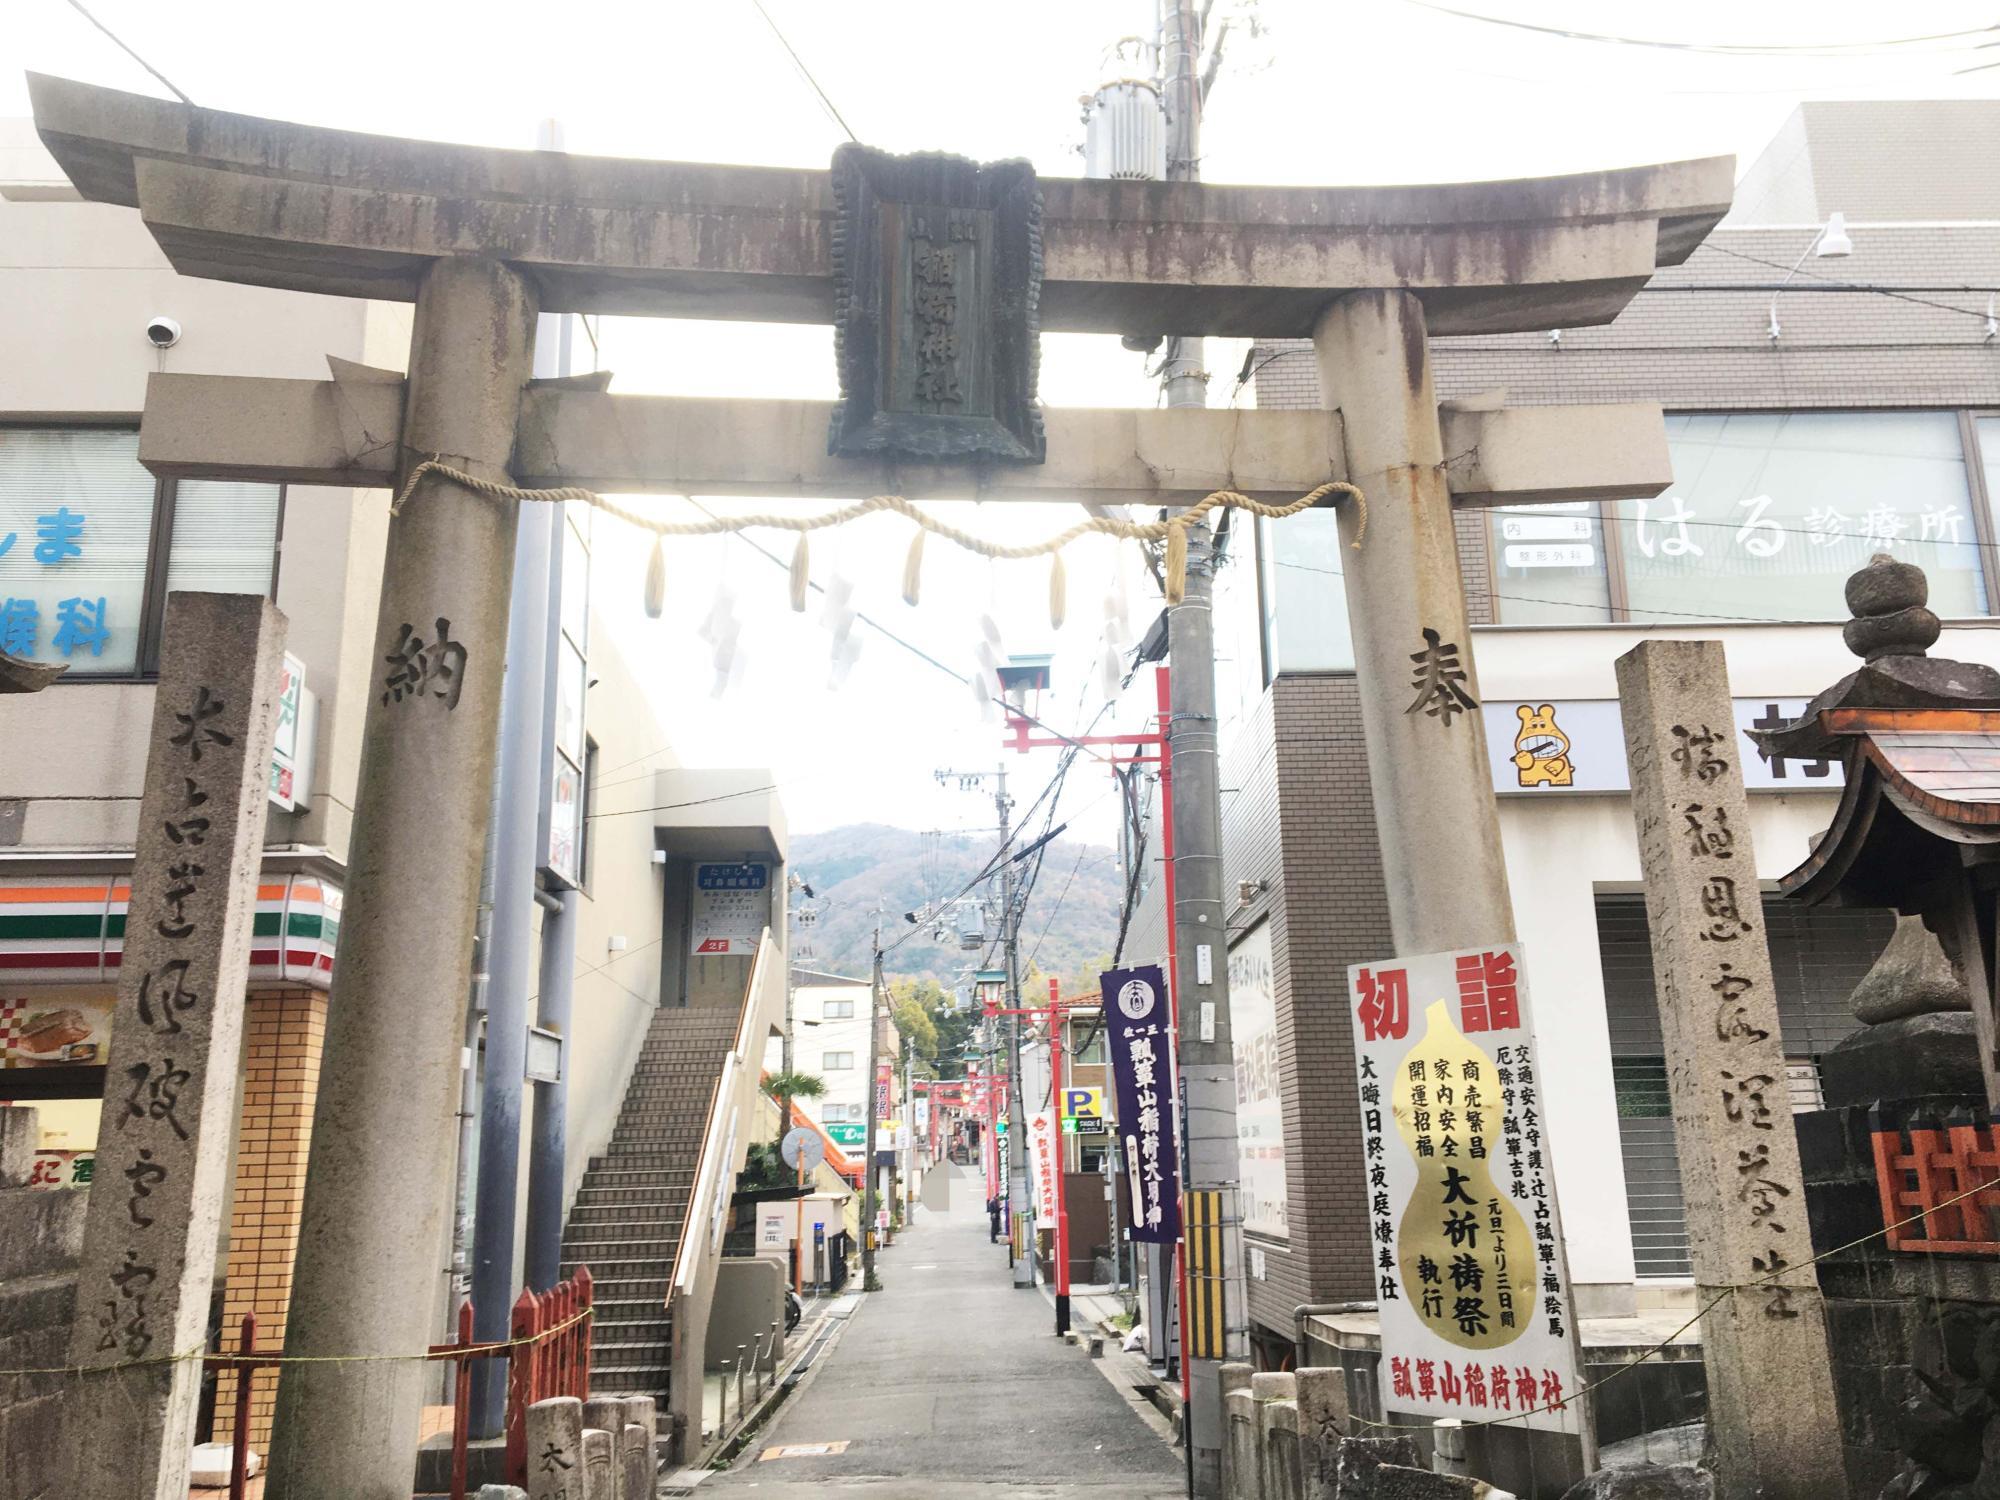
x=1831 y=243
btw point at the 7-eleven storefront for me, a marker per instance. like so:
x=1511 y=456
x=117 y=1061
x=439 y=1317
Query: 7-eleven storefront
x=62 y=937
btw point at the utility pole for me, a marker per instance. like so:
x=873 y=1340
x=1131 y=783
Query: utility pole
x=1017 y=1116
x=1209 y=1160
x=869 y=1197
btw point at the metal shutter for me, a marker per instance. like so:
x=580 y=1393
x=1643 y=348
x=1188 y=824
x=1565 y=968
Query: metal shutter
x=1818 y=955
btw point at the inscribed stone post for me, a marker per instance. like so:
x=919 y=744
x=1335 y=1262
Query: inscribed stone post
x=555 y=1449
x=600 y=1465
x=1323 y=1421
x=635 y=1463
x=1770 y=1398
x=176 y=1039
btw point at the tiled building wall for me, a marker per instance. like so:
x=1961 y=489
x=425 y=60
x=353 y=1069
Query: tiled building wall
x=1878 y=159
x=1335 y=913
x=284 y=1032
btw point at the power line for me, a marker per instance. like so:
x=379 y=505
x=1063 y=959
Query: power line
x=120 y=43
x=1834 y=282
x=1646 y=613
x=1836 y=50
x=748 y=791
x=804 y=72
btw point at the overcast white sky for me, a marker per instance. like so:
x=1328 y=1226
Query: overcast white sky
x=1337 y=91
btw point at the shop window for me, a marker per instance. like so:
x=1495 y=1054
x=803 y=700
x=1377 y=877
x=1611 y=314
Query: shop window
x=91 y=544
x=565 y=809
x=1549 y=566
x=586 y=844
x=1305 y=595
x=1770 y=512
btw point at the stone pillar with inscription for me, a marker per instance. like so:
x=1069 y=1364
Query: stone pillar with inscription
x=1771 y=1406
x=176 y=1040
x=378 y=1181
x=556 y=1456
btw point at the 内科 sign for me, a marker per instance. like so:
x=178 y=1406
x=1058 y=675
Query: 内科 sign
x=732 y=907
x=1137 y=1023
x=1471 y=1282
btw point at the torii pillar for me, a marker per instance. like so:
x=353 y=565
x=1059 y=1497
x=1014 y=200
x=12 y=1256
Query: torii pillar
x=369 y=1238
x=1434 y=810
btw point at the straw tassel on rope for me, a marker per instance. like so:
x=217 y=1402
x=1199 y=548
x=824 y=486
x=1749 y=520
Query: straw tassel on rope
x=801 y=574
x=1176 y=569
x=1058 y=588
x=913 y=568
x=656 y=579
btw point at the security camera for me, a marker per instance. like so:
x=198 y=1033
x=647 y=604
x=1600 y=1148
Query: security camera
x=162 y=332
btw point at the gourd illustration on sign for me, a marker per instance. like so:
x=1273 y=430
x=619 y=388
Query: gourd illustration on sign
x=1541 y=749
x=1467 y=1257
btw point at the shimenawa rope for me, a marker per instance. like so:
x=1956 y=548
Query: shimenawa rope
x=1173 y=530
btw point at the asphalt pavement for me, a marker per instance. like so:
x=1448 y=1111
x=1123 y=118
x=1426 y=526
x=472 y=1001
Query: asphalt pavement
x=951 y=1383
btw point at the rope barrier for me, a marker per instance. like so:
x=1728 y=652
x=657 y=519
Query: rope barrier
x=478 y=1350
x=1667 y=1343
x=1173 y=530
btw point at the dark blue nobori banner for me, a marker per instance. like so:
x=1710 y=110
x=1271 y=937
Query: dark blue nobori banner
x=1142 y=1071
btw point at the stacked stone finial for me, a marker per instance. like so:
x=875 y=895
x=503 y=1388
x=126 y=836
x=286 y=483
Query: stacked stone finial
x=1888 y=601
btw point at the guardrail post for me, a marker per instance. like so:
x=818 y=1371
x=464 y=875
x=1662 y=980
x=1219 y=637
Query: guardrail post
x=586 y=1331
x=239 y=1446
x=521 y=1391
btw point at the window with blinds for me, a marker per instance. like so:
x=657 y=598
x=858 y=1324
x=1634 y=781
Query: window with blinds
x=90 y=545
x=1817 y=958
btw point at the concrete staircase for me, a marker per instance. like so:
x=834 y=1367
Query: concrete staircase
x=627 y=1219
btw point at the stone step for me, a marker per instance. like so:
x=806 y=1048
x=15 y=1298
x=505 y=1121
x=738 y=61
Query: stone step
x=641 y=1269
x=648 y=1289
x=606 y=1178
x=622 y=1237
x=655 y=1161
x=631 y=1380
x=645 y=1210
x=630 y=1195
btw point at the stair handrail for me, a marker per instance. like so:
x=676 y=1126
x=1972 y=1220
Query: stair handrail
x=718 y=1141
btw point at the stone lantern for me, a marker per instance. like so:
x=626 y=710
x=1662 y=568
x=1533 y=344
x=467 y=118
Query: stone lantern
x=1918 y=832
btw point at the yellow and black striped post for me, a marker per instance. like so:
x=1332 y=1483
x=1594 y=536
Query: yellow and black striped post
x=1201 y=1220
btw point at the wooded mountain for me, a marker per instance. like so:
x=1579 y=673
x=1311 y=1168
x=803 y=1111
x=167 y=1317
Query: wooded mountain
x=853 y=868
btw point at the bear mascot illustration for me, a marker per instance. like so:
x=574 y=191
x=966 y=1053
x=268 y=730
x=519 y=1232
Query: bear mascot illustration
x=1541 y=749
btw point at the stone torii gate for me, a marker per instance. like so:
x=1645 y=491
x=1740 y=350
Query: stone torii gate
x=482 y=240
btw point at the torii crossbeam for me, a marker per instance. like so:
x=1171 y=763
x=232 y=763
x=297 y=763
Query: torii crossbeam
x=482 y=240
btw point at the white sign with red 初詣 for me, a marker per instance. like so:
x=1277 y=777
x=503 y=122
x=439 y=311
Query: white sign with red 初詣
x=1044 y=1134
x=1471 y=1282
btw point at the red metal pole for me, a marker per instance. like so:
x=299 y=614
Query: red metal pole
x=239 y=1446
x=461 y=1403
x=1056 y=1168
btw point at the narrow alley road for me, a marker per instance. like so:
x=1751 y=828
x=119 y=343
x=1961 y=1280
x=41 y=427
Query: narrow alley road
x=951 y=1383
